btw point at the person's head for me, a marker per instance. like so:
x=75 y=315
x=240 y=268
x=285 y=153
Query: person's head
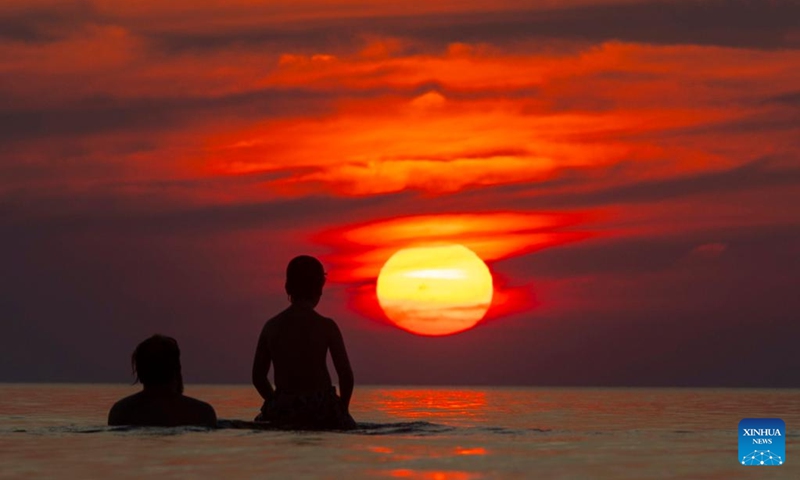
x=305 y=278
x=156 y=362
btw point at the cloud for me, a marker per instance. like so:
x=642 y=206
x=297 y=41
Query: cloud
x=103 y=115
x=791 y=99
x=84 y=215
x=359 y=251
x=720 y=23
x=626 y=256
x=756 y=174
x=710 y=250
x=399 y=120
x=39 y=22
x=160 y=162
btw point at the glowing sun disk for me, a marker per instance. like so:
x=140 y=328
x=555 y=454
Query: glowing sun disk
x=437 y=273
x=435 y=290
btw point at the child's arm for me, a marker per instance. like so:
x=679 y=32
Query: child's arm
x=261 y=364
x=342 y=365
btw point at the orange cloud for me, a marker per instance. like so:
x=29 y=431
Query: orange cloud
x=493 y=236
x=387 y=113
x=497 y=118
x=359 y=251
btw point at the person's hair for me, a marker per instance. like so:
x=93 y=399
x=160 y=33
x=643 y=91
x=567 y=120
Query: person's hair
x=157 y=361
x=305 y=278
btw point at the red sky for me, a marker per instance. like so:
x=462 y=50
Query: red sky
x=629 y=171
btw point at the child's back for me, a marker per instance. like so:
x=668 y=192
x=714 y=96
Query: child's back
x=297 y=342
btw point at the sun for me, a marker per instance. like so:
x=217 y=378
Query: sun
x=435 y=290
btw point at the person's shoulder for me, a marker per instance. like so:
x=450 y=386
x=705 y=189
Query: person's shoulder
x=200 y=408
x=128 y=401
x=276 y=319
x=195 y=403
x=330 y=324
x=122 y=409
x=270 y=325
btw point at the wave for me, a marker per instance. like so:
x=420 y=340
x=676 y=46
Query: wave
x=362 y=428
x=416 y=428
x=396 y=428
x=402 y=428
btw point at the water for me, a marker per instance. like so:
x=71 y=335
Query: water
x=58 y=431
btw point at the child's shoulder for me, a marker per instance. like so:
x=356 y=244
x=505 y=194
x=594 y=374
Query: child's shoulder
x=275 y=320
x=325 y=319
x=330 y=324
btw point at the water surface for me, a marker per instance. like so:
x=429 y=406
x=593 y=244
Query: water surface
x=58 y=431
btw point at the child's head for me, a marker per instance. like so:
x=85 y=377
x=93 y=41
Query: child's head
x=157 y=362
x=305 y=278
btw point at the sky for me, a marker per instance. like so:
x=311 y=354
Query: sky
x=629 y=171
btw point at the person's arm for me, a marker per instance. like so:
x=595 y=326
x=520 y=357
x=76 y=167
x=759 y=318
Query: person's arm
x=342 y=365
x=261 y=364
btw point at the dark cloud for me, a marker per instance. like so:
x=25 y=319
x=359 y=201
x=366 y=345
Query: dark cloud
x=98 y=115
x=570 y=188
x=306 y=37
x=101 y=115
x=656 y=254
x=113 y=215
x=791 y=99
x=45 y=23
x=717 y=22
x=730 y=23
x=753 y=175
x=778 y=121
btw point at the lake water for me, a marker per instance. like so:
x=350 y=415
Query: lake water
x=58 y=431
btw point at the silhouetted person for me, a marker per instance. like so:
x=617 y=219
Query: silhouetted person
x=297 y=342
x=156 y=362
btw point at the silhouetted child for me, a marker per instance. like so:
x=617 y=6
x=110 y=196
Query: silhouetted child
x=297 y=342
x=156 y=363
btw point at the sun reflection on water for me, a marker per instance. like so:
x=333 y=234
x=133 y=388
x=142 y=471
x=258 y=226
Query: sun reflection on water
x=434 y=405
x=432 y=475
x=470 y=451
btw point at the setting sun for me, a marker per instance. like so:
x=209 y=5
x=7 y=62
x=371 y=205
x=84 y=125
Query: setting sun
x=435 y=290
